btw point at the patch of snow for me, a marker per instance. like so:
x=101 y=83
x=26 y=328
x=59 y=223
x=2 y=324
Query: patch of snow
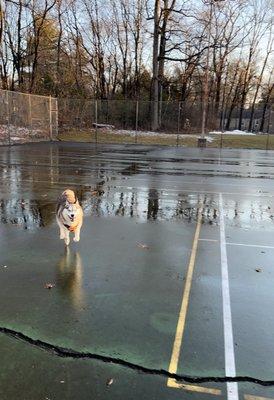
x=234 y=132
x=158 y=134
x=20 y=134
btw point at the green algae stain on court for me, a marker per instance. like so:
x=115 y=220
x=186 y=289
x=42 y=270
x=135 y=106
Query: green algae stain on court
x=164 y=322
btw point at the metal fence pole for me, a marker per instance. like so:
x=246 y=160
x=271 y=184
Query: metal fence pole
x=56 y=117
x=136 y=119
x=267 y=141
x=8 y=116
x=96 y=122
x=50 y=119
x=268 y=128
x=223 y=114
x=30 y=112
x=178 y=123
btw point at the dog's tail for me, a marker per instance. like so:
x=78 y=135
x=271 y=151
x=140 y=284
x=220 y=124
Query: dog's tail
x=70 y=196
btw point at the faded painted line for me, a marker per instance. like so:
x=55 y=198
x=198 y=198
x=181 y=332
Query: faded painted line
x=250 y=397
x=171 y=181
x=193 y=388
x=173 y=366
x=115 y=186
x=208 y=240
x=195 y=191
x=249 y=245
x=230 y=369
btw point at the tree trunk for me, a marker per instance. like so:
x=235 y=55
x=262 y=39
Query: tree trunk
x=266 y=104
x=155 y=76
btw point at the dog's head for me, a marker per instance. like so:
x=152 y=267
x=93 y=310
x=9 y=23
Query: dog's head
x=70 y=211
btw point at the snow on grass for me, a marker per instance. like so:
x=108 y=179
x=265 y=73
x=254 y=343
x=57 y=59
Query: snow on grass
x=211 y=136
x=234 y=132
x=156 y=134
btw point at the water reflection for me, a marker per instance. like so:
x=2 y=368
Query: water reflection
x=133 y=169
x=28 y=214
x=153 y=204
x=32 y=182
x=144 y=204
x=70 y=277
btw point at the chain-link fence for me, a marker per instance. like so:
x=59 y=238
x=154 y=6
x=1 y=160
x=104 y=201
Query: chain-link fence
x=174 y=117
x=27 y=117
x=125 y=121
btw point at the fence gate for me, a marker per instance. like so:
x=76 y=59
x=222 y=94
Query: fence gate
x=27 y=117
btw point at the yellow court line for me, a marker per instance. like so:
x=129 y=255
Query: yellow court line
x=173 y=365
x=191 y=388
x=250 y=397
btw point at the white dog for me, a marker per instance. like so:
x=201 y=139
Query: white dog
x=69 y=216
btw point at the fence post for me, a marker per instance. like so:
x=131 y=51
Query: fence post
x=96 y=121
x=178 y=123
x=268 y=128
x=30 y=113
x=56 y=116
x=267 y=141
x=8 y=116
x=136 y=119
x=50 y=119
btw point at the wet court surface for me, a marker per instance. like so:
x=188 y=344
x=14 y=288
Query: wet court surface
x=168 y=295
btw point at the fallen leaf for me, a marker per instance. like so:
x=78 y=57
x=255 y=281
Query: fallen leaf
x=5 y=266
x=142 y=245
x=258 y=270
x=94 y=192
x=49 y=285
x=109 y=381
x=62 y=381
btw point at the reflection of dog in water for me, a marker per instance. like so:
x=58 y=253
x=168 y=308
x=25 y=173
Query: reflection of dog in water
x=69 y=216
x=70 y=276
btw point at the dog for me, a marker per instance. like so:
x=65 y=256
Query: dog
x=69 y=216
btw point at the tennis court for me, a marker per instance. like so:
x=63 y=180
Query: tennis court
x=168 y=295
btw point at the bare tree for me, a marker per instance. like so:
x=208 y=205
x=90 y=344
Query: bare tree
x=258 y=30
x=155 y=67
x=269 y=50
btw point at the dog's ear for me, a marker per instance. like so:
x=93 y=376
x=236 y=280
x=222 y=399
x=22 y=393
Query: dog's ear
x=63 y=198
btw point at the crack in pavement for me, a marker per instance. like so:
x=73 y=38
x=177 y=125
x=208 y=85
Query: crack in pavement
x=70 y=353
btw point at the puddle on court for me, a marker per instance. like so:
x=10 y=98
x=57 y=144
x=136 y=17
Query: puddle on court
x=69 y=277
x=144 y=205
x=105 y=200
x=248 y=213
x=35 y=182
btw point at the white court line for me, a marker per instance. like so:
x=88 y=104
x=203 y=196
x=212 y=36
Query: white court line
x=237 y=244
x=249 y=245
x=230 y=369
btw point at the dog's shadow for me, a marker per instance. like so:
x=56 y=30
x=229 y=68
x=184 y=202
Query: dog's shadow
x=70 y=277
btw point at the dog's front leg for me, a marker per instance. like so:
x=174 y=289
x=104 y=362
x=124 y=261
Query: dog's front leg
x=62 y=233
x=77 y=234
x=62 y=230
x=67 y=240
